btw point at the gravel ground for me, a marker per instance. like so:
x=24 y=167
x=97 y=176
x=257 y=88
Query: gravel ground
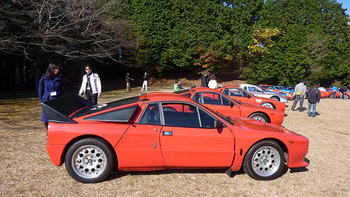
x=27 y=170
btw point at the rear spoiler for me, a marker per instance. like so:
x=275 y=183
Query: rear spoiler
x=58 y=110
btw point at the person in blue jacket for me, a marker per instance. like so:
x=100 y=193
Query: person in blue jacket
x=50 y=86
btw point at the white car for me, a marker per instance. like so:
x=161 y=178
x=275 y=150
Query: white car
x=256 y=91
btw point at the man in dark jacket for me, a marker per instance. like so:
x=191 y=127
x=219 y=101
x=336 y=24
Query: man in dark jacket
x=343 y=92
x=313 y=99
x=204 y=79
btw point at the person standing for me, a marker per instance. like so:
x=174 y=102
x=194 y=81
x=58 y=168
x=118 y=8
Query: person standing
x=299 y=93
x=50 y=87
x=313 y=98
x=343 y=92
x=334 y=92
x=213 y=83
x=204 y=79
x=145 y=82
x=128 y=80
x=91 y=85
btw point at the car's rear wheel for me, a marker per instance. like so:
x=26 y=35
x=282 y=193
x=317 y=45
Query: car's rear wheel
x=264 y=161
x=259 y=116
x=89 y=160
x=275 y=98
x=269 y=105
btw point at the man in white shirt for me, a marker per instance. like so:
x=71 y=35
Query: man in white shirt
x=299 y=92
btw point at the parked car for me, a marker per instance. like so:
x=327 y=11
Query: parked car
x=324 y=92
x=242 y=95
x=256 y=91
x=337 y=93
x=217 y=101
x=160 y=131
x=289 y=93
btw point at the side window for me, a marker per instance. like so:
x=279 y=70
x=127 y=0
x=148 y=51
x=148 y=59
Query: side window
x=235 y=92
x=197 y=97
x=180 y=115
x=211 y=98
x=225 y=101
x=206 y=120
x=227 y=92
x=151 y=115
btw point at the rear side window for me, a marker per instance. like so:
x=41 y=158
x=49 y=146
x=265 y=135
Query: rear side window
x=151 y=115
x=120 y=115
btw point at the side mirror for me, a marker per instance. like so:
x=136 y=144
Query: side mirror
x=232 y=104
x=217 y=124
x=249 y=96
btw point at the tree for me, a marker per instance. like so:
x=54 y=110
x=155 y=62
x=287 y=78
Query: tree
x=316 y=32
x=195 y=35
x=71 y=29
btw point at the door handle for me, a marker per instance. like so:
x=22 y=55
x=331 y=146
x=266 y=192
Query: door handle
x=167 y=133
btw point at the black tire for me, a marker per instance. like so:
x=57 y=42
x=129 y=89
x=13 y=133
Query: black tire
x=275 y=98
x=269 y=105
x=89 y=160
x=259 y=117
x=264 y=161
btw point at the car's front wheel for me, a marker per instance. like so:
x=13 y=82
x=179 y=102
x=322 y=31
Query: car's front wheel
x=259 y=117
x=269 y=105
x=89 y=160
x=264 y=160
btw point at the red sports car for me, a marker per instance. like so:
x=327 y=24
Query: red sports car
x=161 y=131
x=240 y=94
x=217 y=101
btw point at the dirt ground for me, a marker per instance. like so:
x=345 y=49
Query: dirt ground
x=27 y=171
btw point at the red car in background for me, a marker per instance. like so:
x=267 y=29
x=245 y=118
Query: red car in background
x=337 y=93
x=160 y=131
x=324 y=92
x=240 y=94
x=219 y=102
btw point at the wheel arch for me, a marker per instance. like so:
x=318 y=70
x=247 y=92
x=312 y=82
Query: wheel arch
x=274 y=106
x=279 y=142
x=89 y=136
x=274 y=96
x=267 y=116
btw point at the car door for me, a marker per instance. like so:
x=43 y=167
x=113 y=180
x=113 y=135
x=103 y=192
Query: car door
x=140 y=146
x=217 y=102
x=190 y=139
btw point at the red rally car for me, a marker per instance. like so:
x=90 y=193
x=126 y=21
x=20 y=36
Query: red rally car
x=219 y=102
x=240 y=94
x=159 y=131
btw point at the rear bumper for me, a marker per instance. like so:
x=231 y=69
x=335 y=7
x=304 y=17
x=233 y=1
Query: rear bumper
x=55 y=153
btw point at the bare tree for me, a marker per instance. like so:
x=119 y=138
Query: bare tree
x=71 y=28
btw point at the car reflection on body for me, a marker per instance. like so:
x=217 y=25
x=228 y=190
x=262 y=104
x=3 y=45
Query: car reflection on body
x=160 y=131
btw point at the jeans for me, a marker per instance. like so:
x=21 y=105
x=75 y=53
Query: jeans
x=298 y=98
x=91 y=97
x=311 y=109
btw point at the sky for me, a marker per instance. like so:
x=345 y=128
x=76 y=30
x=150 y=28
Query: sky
x=346 y=4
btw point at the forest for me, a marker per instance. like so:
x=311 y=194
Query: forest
x=260 y=41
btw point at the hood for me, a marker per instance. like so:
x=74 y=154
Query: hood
x=250 y=124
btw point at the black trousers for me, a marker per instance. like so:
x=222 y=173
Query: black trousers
x=91 y=97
